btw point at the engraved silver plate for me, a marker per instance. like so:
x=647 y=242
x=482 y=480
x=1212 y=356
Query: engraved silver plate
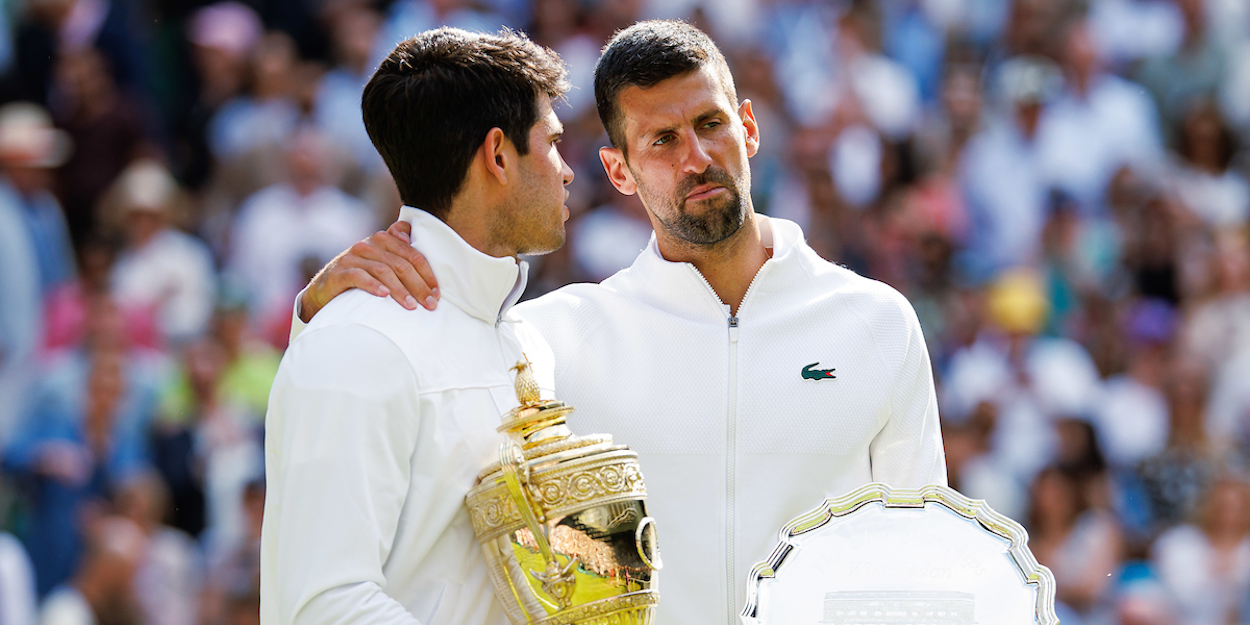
x=901 y=557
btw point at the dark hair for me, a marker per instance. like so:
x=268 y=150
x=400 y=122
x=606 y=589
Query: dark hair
x=431 y=102
x=645 y=54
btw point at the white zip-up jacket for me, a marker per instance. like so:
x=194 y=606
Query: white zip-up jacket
x=733 y=437
x=379 y=420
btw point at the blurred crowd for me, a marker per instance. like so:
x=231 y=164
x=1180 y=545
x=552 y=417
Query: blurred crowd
x=1060 y=187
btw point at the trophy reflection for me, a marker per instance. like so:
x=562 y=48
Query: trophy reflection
x=562 y=521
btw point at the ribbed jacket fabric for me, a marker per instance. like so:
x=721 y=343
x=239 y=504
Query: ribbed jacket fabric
x=733 y=439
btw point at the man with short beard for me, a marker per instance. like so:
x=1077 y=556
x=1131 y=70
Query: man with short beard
x=753 y=378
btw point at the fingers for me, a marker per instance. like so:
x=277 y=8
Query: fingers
x=409 y=265
x=384 y=264
x=388 y=276
x=401 y=230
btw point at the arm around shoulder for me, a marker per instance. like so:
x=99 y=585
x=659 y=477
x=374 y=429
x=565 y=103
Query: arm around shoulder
x=340 y=434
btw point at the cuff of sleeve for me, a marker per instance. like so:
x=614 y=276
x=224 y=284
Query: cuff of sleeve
x=297 y=324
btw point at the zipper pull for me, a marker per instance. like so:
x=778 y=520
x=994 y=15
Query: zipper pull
x=733 y=329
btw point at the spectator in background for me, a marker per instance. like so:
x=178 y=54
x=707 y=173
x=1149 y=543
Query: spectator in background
x=267 y=249
x=21 y=293
x=234 y=573
x=102 y=590
x=1193 y=70
x=1132 y=414
x=169 y=580
x=1030 y=380
x=1001 y=174
x=222 y=37
x=337 y=111
x=1206 y=182
x=207 y=454
x=161 y=268
x=50 y=27
x=1176 y=478
x=106 y=125
x=1080 y=545
x=1206 y=565
x=1097 y=124
x=30 y=151
x=267 y=112
x=83 y=434
x=1219 y=323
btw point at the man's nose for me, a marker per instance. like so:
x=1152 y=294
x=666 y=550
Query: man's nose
x=568 y=171
x=696 y=158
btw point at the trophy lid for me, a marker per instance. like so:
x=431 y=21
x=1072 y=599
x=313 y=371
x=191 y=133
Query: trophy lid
x=538 y=425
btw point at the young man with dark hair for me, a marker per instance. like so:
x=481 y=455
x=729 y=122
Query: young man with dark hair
x=753 y=378
x=380 y=417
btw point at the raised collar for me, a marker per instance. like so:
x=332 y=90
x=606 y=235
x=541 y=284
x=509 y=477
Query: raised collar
x=679 y=287
x=481 y=285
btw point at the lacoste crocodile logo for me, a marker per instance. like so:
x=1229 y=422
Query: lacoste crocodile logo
x=818 y=374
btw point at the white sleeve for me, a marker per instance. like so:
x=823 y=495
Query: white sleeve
x=339 y=439
x=907 y=453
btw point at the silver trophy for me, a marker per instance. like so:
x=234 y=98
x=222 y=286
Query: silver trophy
x=901 y=557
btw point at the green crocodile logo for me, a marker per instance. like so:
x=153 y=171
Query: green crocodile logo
x=818 y=374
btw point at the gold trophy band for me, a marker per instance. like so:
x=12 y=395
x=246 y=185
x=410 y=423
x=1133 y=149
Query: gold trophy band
x=562 y=521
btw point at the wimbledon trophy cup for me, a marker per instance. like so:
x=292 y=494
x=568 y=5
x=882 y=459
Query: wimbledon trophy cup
x=562 y=520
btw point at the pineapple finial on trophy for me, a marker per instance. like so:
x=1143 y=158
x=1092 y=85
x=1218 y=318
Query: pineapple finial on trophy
x=527 y=391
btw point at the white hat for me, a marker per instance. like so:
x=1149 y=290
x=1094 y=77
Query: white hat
x=27 y=137
x=146 y=186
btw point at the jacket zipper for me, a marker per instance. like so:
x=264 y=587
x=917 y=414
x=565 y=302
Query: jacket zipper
x=731 y=435
x=730 y=461
x=733 y=447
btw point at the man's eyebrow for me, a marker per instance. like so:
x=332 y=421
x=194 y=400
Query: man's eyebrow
x=556 y=134
x=708 y=114
x=698 y=119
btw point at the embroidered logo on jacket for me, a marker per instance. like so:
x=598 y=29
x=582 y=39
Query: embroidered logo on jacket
x=818 y=374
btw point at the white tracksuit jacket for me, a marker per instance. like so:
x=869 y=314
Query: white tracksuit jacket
x=379 y=420
x=733 y=439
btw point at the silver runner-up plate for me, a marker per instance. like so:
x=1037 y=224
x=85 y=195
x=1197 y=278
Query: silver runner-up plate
x=880 y=556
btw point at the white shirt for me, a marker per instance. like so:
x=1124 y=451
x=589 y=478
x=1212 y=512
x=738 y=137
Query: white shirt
x=17 y=583
x=379 y=420
x=173 y=273
x=1186 y=564
x=1083 y=140
x=66 y=606
x=733 y=441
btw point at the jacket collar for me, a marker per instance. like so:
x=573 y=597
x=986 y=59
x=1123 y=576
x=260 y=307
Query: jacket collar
x=481 y=285
x=679 y=287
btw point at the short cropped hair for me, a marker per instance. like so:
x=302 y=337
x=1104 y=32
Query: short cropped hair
x=431 y=102
x=646 y=54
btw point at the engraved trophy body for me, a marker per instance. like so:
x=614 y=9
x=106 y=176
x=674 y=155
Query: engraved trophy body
x=562 y=521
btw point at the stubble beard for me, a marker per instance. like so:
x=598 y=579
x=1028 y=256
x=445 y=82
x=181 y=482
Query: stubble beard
x=528 y=224
x=721 y=219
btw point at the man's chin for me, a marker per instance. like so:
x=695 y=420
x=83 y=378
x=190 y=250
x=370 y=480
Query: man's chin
x=553 y=241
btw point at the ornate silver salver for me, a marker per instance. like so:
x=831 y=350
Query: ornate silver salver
x=878 y=556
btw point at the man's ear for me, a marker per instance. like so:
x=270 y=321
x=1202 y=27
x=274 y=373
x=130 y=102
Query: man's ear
x=618 y=171
x=752 y=128
x=497 y=154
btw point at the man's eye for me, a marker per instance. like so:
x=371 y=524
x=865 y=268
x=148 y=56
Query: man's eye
x=663 y=140
x=711 y=124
